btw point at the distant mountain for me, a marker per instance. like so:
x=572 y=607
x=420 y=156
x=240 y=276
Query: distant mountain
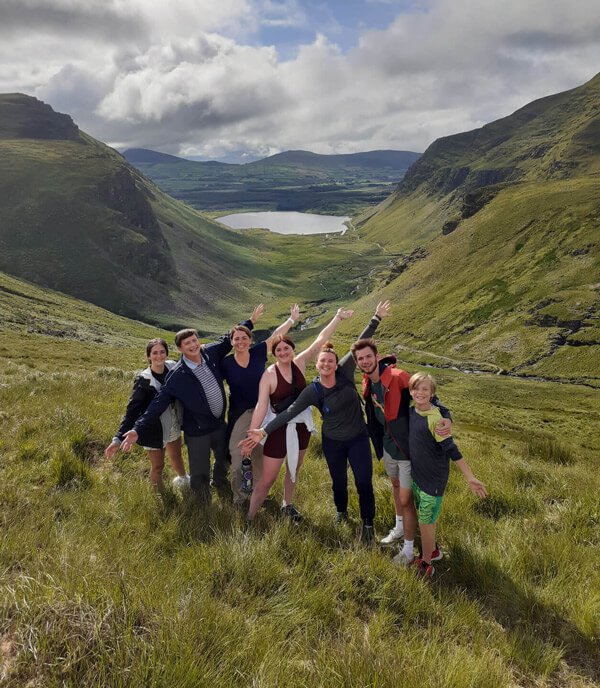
x=496 y=236
x=135 y=155
x=293 y=180
x=77 y=218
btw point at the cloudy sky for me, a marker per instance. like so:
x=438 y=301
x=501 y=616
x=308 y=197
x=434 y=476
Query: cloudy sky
x=224 y=79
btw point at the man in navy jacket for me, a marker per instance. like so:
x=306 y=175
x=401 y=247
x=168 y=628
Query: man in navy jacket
x=197 y=383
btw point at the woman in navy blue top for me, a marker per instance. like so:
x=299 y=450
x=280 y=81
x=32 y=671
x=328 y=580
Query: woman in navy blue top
x=243 y=370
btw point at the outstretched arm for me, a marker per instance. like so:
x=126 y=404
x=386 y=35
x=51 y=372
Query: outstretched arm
x=309 y=354
x=285 y=326
x=476 y=486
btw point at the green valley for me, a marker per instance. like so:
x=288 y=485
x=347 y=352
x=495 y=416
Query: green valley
x=103 y=584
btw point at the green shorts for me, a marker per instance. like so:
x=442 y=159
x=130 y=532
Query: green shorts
x=428 y=506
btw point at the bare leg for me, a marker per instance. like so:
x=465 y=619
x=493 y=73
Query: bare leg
x=175 y=458
x=270 y=471
x=289 y=488
x=157 y=463
x=409 y=514
x=427 y=540
x=396 y=494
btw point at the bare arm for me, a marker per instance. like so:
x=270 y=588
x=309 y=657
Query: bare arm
x=285 y=326
x=264 y=390
x=311 y=352
x=476 y=486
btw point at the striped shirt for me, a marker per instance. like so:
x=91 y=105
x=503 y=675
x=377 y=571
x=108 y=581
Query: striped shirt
x=210 y=385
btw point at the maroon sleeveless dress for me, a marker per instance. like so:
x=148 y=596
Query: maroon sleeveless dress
x=275 y=445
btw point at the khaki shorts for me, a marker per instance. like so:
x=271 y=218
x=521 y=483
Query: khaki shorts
x=174 y=434
x=398 y=469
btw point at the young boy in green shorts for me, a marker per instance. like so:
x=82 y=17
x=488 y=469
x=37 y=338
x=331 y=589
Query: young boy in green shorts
x=430 y=457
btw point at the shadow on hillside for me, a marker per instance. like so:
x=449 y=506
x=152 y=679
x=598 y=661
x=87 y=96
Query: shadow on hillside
x=529 y=621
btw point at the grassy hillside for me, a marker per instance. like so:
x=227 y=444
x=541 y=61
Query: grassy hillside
x=78 y=218
x=293 y=180
x=493 y=242
x=102 y=584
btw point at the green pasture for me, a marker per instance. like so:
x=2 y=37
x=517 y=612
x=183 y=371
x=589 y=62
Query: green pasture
x=104 y=584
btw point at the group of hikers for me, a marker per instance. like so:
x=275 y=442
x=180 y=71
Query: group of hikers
x=269 y=418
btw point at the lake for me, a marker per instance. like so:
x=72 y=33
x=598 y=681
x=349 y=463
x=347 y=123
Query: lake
x=286 y=222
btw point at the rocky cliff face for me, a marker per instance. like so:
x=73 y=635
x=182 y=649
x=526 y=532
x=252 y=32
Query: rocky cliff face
x=24 y=117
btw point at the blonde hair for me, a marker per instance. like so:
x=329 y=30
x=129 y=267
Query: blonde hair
x=418 y=379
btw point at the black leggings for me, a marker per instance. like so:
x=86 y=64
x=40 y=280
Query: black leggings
x=357 y=452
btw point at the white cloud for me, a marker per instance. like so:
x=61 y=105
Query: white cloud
x=189 y=76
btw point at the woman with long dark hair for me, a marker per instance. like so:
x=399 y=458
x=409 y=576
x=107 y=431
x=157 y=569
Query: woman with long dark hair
x=162 y=435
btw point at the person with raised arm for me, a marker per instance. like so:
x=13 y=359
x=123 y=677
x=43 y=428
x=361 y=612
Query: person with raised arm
x=197 y=383
x=279 y=386
x=344 y=431
x=242 y=370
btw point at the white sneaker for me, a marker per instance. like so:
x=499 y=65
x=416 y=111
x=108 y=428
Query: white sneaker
x=395 y=534
x=181 y=482
x=402 y=560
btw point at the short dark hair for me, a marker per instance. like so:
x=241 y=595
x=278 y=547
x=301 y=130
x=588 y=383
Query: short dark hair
x=153 y=342
x=184 y=334
x=281 y=338
x=363 y=344
x=239 y=328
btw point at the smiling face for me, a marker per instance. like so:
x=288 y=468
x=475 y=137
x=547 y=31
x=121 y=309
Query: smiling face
x=283 y=352
x=326 y=364
x=190 y=348
x=422 y=393
x=157 y=357
x=366 y=360
x=240 y=341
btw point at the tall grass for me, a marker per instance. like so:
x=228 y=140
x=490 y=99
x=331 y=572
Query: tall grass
x=105 y=584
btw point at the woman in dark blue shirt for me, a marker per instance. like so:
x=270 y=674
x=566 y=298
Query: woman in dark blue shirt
x=243 y=370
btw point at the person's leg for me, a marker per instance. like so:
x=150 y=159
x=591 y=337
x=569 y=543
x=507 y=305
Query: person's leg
x=289 y=487
x=157 y=463
x=335 y=455
x=238 y=433
x=175 y=458
x=409 y=514
x=218 y=444
x=199 y=460
x=361 y=462
x=270 y=471
x=427 y=540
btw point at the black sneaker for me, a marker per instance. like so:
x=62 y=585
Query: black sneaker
x=341 y=517
x=292 y=513
x=367 y=535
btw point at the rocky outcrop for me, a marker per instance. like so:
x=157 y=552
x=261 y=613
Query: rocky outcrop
x=24 y=117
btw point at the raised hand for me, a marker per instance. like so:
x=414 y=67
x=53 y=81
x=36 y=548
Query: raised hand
x=343 y=314
x=295 y=313
x=383 y=308
x=257 y=313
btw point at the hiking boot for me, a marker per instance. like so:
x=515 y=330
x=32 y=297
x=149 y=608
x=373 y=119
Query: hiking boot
x=292 y=513
x=341 y=517
x=395 y=534
x=367 y=535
